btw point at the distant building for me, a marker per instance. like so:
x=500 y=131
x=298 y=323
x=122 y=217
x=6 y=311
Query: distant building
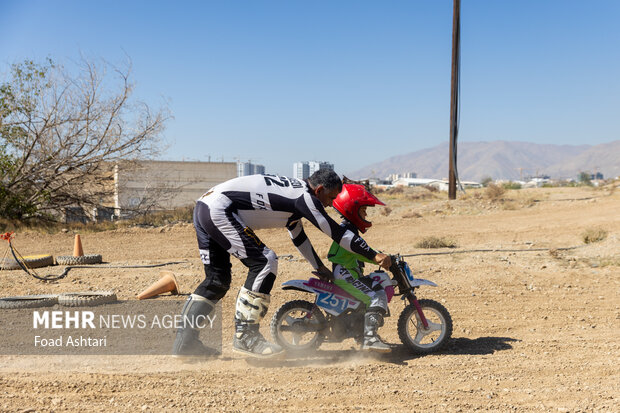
x=249 y=168
x=164 y=185
x=535 y=182
x=130 y=188
x=303 y=170
x=416 y=182
x=440 y=184
x=380 y=183
x=394 y=177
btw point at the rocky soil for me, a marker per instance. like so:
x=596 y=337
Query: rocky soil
x=536 y=325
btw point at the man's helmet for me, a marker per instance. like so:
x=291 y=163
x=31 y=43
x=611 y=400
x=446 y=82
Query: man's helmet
x=349 y=201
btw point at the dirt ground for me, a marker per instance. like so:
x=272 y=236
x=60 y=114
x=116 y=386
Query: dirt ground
x=536 y=327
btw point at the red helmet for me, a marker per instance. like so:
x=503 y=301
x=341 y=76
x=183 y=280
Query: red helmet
x=349 y=201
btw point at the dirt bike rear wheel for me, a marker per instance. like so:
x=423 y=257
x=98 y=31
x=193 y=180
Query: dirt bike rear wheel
x=413 y=334
x=292 y=329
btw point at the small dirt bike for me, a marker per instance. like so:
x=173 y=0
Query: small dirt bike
x=424 y=326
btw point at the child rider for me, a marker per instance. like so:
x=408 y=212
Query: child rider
x=352 y=202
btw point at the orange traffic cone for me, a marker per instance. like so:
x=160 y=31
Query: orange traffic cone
x=77 y=247
x=167 y=283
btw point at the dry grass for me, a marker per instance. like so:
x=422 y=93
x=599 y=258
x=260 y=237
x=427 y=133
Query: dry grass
x=409 y=193
x=155 y=219
x=161 y=218
x=555 y=253
x=592 y=235
x=412 y=214
x=436 y=242
x=422 y=196
x=494 y=192
x=510 y=206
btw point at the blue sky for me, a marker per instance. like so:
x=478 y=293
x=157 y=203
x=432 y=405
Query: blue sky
x=351 y=82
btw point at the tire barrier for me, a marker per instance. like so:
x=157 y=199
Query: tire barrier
x=29 y=301
x=30 y=261
x=79 y=299
x=86 y=298
x=81 y=260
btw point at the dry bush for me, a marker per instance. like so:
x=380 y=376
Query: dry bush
x=529 y=202
x=395 y=190
x=609 y=262
x=152 y=219
x=475 y=194
x=386 y=210
x=419 y=196
x=412 y=214
x=49 y=226
x=436 y=242
x=408 y=193
x=510 y=206
x=593 y=235
x=161 y=218
x=494 y=192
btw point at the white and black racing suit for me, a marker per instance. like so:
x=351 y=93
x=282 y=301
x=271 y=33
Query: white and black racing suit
x=225 y=217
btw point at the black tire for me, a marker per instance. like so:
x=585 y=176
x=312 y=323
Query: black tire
x=411 y=331
x=280 y=330
x=29 y=301
x=30 y=261
x=86 y=298
x=82 y=260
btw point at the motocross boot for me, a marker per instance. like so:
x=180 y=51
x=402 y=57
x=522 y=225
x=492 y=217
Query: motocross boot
x=186 y=342
x=251 y=308
x=372 y=342
x=249 y=341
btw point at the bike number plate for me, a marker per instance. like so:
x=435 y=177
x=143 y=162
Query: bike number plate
x=332 y=303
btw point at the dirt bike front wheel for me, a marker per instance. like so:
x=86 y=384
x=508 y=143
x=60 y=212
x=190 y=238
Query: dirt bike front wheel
x=422 y=340
x=296 y=326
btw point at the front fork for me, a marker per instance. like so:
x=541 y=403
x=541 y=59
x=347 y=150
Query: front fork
x=413 y=300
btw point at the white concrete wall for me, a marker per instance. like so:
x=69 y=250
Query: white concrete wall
x=167 y=184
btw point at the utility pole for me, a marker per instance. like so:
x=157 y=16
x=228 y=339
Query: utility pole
x=454 y=97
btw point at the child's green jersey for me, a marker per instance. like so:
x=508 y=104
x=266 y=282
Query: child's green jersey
x=352 y=262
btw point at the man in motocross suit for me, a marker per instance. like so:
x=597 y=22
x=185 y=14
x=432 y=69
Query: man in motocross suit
x=224 y=219
x=348 y=265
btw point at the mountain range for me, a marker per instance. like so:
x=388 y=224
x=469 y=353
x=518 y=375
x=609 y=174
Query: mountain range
x=502 y=160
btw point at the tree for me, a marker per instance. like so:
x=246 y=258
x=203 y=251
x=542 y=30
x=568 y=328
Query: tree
x=584 y=178
x=486 y=180
x=62 y=133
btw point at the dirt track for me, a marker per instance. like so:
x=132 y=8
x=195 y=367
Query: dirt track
x=533 y=330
